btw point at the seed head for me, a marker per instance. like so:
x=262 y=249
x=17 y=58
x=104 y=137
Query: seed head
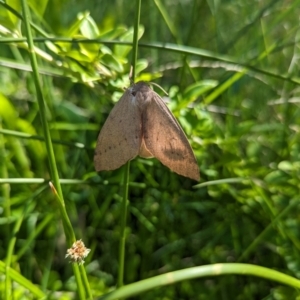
x=78 y=252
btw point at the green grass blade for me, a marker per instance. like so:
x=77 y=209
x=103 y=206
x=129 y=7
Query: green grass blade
x=201 y=272
x=17 y=277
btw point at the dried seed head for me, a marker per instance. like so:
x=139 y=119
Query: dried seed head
x=78 y=252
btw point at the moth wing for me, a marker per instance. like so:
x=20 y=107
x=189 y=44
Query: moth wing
x=165 y=139
x=120 y=137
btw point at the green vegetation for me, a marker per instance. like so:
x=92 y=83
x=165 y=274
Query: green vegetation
x=231 y=71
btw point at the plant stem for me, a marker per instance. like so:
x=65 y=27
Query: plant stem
x=123 y=225
x=125 y=200
x=5 y=195
x=135 y=37
x=70 y=236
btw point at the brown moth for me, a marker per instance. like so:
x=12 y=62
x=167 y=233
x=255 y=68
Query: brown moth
x=141 y=124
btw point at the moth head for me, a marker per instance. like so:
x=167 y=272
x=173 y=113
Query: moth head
x=139 y=93
x=140 y=86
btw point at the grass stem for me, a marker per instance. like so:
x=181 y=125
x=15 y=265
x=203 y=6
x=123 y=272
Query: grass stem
x=125 y=200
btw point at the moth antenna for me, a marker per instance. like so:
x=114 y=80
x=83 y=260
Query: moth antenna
x=130 y=75
x=157 y=85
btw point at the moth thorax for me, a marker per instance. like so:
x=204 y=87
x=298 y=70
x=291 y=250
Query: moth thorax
x=143 y=100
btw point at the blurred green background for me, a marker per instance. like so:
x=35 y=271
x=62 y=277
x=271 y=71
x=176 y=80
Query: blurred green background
x=231 y=71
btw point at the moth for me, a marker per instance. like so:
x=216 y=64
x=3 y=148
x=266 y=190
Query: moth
x=142 y=124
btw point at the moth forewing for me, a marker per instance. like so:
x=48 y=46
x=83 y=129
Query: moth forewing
x=165 y=139
x=120 y=137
